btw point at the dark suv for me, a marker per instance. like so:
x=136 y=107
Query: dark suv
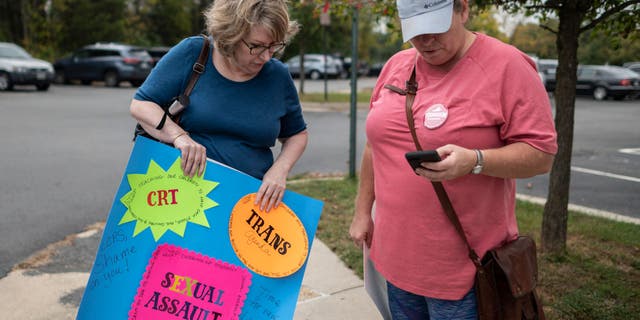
x=108 y=62
x=157 y=53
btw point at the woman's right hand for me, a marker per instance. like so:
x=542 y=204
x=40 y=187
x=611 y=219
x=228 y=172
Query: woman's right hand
x=194 y=155
x=361 y=230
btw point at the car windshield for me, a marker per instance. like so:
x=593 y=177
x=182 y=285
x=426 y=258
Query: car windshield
x=13 y=52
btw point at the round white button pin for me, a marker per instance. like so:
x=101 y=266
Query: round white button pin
x=435 y=116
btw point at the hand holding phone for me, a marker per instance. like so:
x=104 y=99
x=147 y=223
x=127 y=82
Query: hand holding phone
x=415 y=158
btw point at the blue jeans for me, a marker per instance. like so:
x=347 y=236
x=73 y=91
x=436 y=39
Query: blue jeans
x=408 y=306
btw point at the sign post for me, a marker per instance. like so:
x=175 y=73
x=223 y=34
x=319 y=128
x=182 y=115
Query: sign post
x=325 y=21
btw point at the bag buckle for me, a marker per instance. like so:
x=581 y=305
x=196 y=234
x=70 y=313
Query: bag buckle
x=198 y=68
x=411 y=87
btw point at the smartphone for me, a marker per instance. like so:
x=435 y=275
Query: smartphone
x=416 y=157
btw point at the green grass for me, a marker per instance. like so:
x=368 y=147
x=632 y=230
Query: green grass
x=598 y=277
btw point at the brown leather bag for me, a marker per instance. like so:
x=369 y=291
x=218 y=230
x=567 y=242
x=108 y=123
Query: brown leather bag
x=506 y=276
x=506 y=282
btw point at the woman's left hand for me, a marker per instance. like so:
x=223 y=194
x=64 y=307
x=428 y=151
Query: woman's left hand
x=274 y=181
x=272 y=189
x=456 y=162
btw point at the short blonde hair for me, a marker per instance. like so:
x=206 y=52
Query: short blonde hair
x=229 y=21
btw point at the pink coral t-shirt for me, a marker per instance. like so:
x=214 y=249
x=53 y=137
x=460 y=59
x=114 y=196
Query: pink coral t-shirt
x=491 y=98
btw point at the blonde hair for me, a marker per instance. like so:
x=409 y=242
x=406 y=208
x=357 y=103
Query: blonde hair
x=229 y=21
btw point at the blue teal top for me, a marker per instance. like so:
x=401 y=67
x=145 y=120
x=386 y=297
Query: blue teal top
x=237 y=122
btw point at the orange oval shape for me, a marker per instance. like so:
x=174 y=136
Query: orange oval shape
x=273 y=244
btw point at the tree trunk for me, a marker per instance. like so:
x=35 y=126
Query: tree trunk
x=554 y=221
x=11 y=21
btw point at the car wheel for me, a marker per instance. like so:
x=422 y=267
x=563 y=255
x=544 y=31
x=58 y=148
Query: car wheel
x=111 y=79
x=60 y=78
x=600 y=93
x=314 y=75
x=42 y=86
x=5 y=82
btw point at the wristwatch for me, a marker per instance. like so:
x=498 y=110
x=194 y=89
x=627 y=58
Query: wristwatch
x=479 y=163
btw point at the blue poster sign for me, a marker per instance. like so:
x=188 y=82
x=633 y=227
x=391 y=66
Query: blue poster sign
x=176 y=247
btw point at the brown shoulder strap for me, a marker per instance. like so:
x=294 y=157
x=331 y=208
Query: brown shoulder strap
x=198 y=67
x=411 y=87
x=411 y=90
x=196 y=70
x=445 y=202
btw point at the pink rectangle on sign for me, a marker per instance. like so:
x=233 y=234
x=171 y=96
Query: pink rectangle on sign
x=183 y=284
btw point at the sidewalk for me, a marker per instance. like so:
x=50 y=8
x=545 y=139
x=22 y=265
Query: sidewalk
x=49 y=285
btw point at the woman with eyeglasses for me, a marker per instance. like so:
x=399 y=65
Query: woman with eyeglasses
x=243 y=102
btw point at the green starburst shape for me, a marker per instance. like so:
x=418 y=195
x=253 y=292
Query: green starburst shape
x=166 y=200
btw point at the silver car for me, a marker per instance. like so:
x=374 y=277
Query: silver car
x=315 y=66
x=18 y=67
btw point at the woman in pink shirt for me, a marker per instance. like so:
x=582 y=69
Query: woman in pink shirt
x=481 y=105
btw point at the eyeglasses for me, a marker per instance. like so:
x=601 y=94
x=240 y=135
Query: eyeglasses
x=256 y=50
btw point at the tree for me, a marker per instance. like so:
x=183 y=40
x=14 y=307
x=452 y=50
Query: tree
x=307 y=13
x=168 y=21
x=484 y=21
x=163 y=22
x=197 y=16
x=11 y=22
x=311 y=34
x=597 y=47
x=574 y=18
x=40 y=32
x=327 y=39
x=530 y=38
x=83 y=22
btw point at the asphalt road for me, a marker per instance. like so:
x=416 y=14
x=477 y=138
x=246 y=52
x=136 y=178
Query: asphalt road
x=605 y=166
x=64 y=151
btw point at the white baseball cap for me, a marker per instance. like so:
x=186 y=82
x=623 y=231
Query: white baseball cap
x=424 y=17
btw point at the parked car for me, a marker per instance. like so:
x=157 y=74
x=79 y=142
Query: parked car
x=540 y=74
x=157 y=52
x=17 y=66
x=548 y=67
x=108 y=62
x=634 y=66
x=375 y=69
x=314 y=66
x=604 y=81
x=363 y=67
